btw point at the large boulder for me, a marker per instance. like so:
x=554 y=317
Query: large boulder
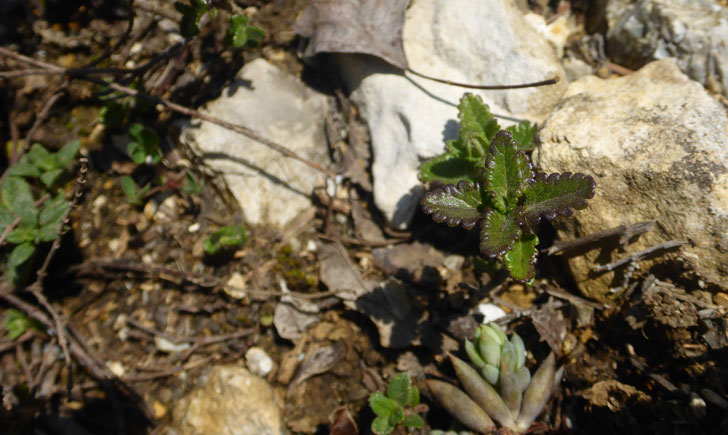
x=657 y=145
x=228 y=400
x=695 y=32
x=467 y=41
x=271 y=188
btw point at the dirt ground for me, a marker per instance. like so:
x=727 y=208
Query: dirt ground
x=655 y=360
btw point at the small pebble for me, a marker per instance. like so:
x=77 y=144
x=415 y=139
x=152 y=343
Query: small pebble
x=258 y=361
x=490 y=312
x=721 y=299
x=194 y=227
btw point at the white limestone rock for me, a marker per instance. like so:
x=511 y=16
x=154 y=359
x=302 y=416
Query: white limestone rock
x=272 y=189
x=695 y=32
x=657 y=145
x=409 y=117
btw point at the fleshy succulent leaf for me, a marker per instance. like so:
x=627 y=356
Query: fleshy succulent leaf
x=506 y=172
x=509 y=387
x=455 y=205
x=537 y=393
x=520 y=260
x=498 y=233
x=460 y=406
x=473 y=355
x=549 y=196
x=482 y=393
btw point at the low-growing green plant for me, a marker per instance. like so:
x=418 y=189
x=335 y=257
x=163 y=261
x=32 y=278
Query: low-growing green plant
x=27 y=224
x=507 y=197
x=225 y=239
x=191 y=15
x=134 y=196
x=17 y=322
x=241 y=34
x=144 y=148
x=192 y=186
x=392 y=409
x=465 y=156
x=499 y=386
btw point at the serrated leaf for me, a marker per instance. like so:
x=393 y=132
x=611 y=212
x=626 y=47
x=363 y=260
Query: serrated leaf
x=414 y=397
x=23 y=169
x=191 y=15
x=381 y=426
x=65 y=155
x=498 y=233
x=41 y=158
x=381 y=404
x=399 y=388
x=523 y=133
x=455 y=205
x=448 y=169
x=477 y=126
x=506 y=172
x=241 y=34
x=554 y=195
x=413 y=421
x=520 y=260
x=6 y=218
x=51 y=217
x=16 y=196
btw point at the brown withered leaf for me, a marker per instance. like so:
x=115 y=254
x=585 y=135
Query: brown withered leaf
x=355 y=26
x=551 y=326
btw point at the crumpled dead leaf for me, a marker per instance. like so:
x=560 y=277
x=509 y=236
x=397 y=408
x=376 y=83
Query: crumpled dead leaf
x=355 y=26
x=551 y=326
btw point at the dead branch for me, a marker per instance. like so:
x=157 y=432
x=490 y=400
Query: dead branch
x=624 y=232
x=639 y=256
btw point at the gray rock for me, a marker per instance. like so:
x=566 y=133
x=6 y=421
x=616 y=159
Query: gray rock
x=657 y=146
x=693 y=31
x=410 y=118
x=228 y=400
x=272 y=189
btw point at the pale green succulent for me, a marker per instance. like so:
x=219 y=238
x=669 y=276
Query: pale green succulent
x=498 y=384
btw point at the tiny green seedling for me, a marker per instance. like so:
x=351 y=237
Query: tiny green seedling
x=225 y=239
x=144 y=148
x=507 y=197
x=191 y=15
x=17 y=322
x=40 y=163
x=192 y=186
x=391 y=409
x=133 y=195
x=241 y=34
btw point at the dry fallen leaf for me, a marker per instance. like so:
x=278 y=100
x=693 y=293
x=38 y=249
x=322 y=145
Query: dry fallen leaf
x=355 y=26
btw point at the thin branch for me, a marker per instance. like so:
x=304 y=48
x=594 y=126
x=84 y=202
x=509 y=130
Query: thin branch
x=202 y=341
x=625 y=233
x=551 y=81
x=638 y=256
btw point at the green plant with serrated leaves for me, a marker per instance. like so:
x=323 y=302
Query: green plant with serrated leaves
x=225 y=239
x=465 y=156
x=134 y=195
x=191 y=15
x=241 y=34
x=27 y=220
x=498 y=385
x=509 y=199
x=395 y=408
x=144 y=147
x=17 y=322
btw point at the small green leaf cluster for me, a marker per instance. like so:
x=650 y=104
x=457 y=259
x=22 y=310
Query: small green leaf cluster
x=239 y=34
x=134 y=195
x=17 y=322
x=465 y=156
x=28 y=225
x=391 y=409
x=508 y=198
x=192 y=186
x=144 y=147
x=498 y=386
x=225 y=239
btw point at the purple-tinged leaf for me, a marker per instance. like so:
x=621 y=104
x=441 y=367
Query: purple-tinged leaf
x=455 y=205
x=498 y=233
x=506 y=172
x=546 y=197
x=520 y=260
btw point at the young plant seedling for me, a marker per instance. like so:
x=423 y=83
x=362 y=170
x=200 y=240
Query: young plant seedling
x=225 y=239
x=508 y=198
x=391 y=409
x=144 y=148
x=133 y=195
x=465 y=156
x=498 y=383
x=241 y=34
